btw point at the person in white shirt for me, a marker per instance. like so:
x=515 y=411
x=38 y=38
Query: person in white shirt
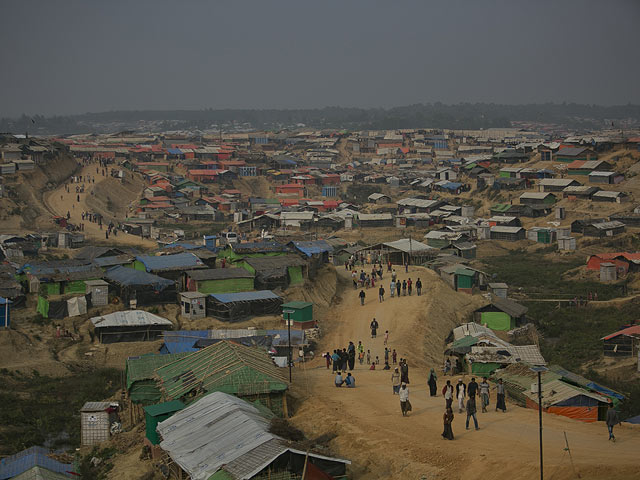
x=405 y=405
x=461 y=393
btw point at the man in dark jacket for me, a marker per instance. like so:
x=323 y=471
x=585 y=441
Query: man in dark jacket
x=612 y=421
x=472 y=388
x=362 y=295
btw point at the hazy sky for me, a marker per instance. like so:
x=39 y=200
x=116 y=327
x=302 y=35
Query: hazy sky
x=69 y=56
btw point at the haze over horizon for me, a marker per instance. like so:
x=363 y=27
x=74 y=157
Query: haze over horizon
x=79 y=56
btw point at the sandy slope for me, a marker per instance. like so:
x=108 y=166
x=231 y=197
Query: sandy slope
x=382 y=444
x=61 y=202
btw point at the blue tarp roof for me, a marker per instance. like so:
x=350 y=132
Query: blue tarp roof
x=452 y=185
x=313 y=247
x=29 y=458
x=180 y=341
x=129 y=276
x=111 y=261
x=54 y=268
x=4 y=301
x=244 y=296
x=604 y=390
x=170 y=262
x=174 y=151
x=635 y=420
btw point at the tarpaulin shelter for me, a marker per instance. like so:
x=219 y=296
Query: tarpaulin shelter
x=501 y=314
x=129 y=326
x=5 y=312
x=219 y=280
x=236 y=306
x=317 y=251
x=154 y=414
x=570 y=401
x=168 y=266
x=229 y=367
x=76 y=306
x=276 y=272
x=145 y=288
x=192 y=340
x=140 y=371
x=25 y=460
x=221 y=437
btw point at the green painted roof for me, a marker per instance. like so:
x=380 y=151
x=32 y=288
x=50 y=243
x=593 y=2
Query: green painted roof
x=297 y=304
x=40 y=473
x=466 y=341
x=501 y=207
x=466 y=272
x=143 y=367
x=225 y=367
x=221 y=475
x=162 y=408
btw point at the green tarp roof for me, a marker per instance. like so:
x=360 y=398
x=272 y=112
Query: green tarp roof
x=162 y=408
x=143 y=367
x=225 y=366
x=501 y=207
x=296 y=304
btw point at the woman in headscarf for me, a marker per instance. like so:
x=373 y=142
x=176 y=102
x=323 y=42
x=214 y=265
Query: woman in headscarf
x=433 y=386
x=447 y=419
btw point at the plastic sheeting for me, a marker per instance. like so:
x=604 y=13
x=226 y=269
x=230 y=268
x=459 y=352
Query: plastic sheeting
x=77 y=306
x=584 y=414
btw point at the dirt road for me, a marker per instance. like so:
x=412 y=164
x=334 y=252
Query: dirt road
x=382 y=444
x=60 y=202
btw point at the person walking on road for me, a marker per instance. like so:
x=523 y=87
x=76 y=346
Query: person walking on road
x=395 y=381
x=404 y=371
x=447 y=419
x=405 y=405
x=374 y=328
x=447 y=393
x=386 y=337
x=419 y=286
x=471 y=412
x=362 y=295
x=612 y=421
x=461 y=393
x=344 y=359
x=392 y=288
x=472 y=388
x=484 y=394
x=351 y=352
x=404 y=288
x=327 y=357
x=381 y=294
x=500 y=404
x=398 y=287
x=394 y=356
x=409 y=286
x=360 y=350
x=432 y=382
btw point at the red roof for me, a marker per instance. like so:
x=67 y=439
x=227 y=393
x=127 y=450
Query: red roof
x=208 y=172
x=611 y=256
x=287 y=202
x=631 y=331
x=292 y=186
x=576 y=164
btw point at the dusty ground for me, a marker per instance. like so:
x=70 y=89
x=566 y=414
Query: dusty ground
x=382 y=444
x=111 y=198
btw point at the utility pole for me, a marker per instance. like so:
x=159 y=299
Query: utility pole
x=539 y=371
x=289 y=359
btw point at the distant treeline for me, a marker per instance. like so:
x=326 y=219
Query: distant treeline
x=435 y=115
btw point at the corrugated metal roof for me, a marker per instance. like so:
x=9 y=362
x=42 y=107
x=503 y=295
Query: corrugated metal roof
x=508 y=354
x=25 y=460
x=408 y=245
x=218 y=432
x=505 y=229
x=558 y=391
x=633 y=331
x=39 y=473
x=368 y=217
x=177 y=261
x=244 y=296
x=129 y=318
x=129 y=276
x=95 y=406
x=219 y=273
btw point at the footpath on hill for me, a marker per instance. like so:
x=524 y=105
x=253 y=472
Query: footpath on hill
x=370 y=430
x=60 y=202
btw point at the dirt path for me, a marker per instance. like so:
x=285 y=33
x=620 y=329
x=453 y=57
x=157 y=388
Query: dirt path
x=60 y=202
x=382 y=444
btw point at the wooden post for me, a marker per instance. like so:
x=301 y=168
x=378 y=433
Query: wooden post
x=285 y=409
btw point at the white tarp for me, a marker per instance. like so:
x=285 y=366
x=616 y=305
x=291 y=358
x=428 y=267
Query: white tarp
x=76 y=306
